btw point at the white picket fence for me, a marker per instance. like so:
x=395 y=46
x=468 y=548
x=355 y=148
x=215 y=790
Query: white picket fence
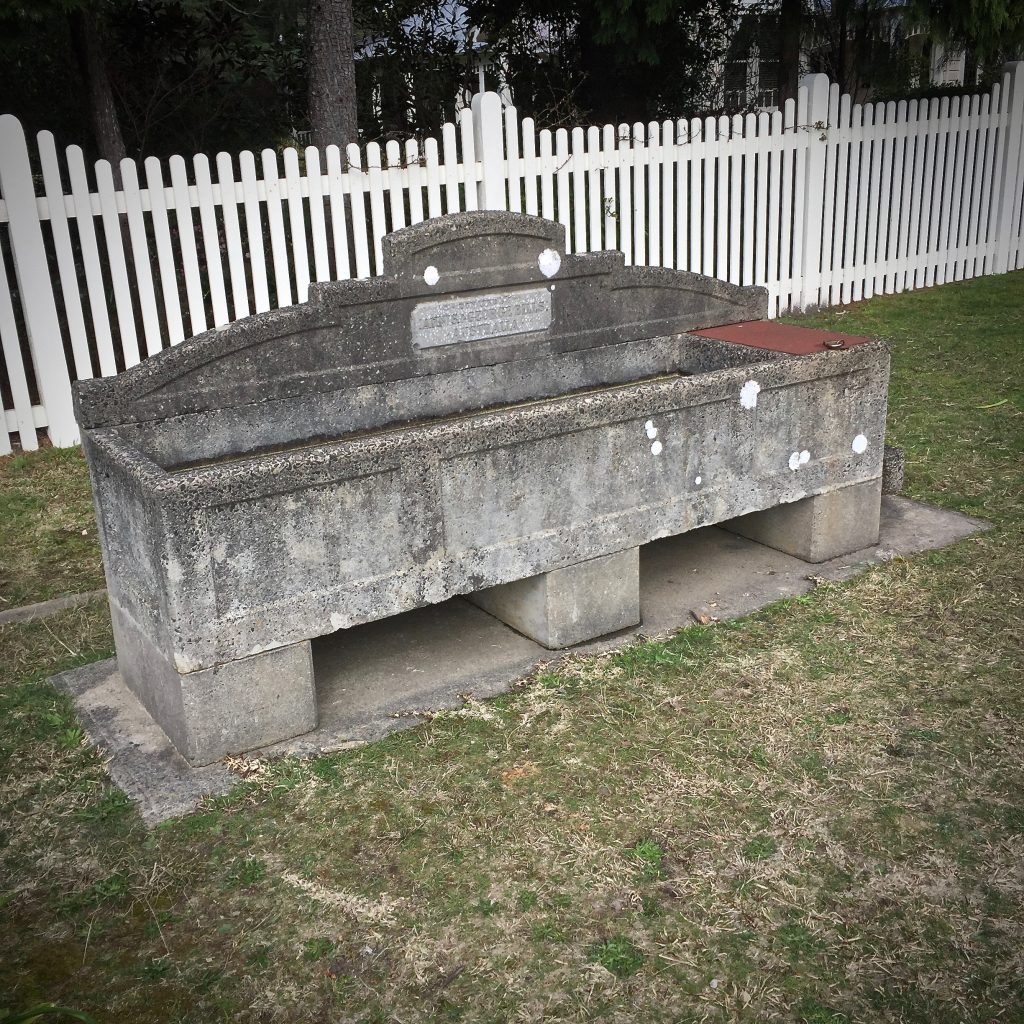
x=823 y=202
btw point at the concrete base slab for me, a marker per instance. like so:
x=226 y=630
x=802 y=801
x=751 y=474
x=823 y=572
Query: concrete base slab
x=374 y=679
x=141 y=760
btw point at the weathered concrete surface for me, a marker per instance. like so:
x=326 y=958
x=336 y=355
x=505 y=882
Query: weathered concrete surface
x=567 y=606
x=820 y=527
x=214 y=711
x=375 y=679
x=893 y=468
x=347 y=361
x=488 y=410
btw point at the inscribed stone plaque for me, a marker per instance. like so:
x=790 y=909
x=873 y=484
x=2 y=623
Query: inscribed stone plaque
x=475 y=317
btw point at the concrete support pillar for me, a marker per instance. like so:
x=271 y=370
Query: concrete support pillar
x=568 y=606
x=820 y=527
x=226 y=709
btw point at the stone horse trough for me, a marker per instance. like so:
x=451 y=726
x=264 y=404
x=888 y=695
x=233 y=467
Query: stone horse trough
x=491 y=418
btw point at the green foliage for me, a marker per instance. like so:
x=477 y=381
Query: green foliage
x=651 y=858
x=798 y=940
x=111 y=805
x=636 y=24
x=156 y=969
x=412 y=65
x=760 y=848
x=992 y=29
x=812 y=1012
x=618 y=955
x=194 y=75
x=186 y=74
x=317 y=949
x=246 y=871
x=526 y=900
x=609 y=60
x=206 y=76
x=106 y=890
x=547 y=931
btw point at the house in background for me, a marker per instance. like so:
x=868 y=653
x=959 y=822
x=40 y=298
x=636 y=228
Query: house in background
x=870 y=51
x=875 y=52
x=945 y=67
x=750 y=76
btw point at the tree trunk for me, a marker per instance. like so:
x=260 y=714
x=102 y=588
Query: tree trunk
x=332 y=74
x=790 y=18
x=106 y=128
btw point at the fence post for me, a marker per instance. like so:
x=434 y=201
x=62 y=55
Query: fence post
x=35 y=287
x=1012 y=175
x=489 y=138
x=814 y=188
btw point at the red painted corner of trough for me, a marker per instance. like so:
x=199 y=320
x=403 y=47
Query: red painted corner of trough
x=770 y=334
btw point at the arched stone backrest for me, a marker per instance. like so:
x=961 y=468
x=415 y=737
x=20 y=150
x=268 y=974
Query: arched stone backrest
x=465 y=290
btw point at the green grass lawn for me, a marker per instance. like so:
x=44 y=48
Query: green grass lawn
x=47 y=528
x=812 y=814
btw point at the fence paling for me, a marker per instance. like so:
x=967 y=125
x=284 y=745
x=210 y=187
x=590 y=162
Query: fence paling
x=1009 y=201
x=976 y=176
x=35 y=289
x=67 y=272
x=951 y=189
x=893 y=192
x=821 y=202
x=593 y=204
x=23 y=420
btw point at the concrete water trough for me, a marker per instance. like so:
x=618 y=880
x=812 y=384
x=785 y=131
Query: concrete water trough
x=491 y=417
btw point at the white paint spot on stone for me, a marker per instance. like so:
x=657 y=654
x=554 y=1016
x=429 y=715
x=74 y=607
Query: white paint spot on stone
x=805 y=457
x=651 y=429
x=431 y=276
x=749 y=393
x=697 y=480
x=337 y=621
x=656 y=448
x=549 y=261
x=794 y=461
x=860 y=444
